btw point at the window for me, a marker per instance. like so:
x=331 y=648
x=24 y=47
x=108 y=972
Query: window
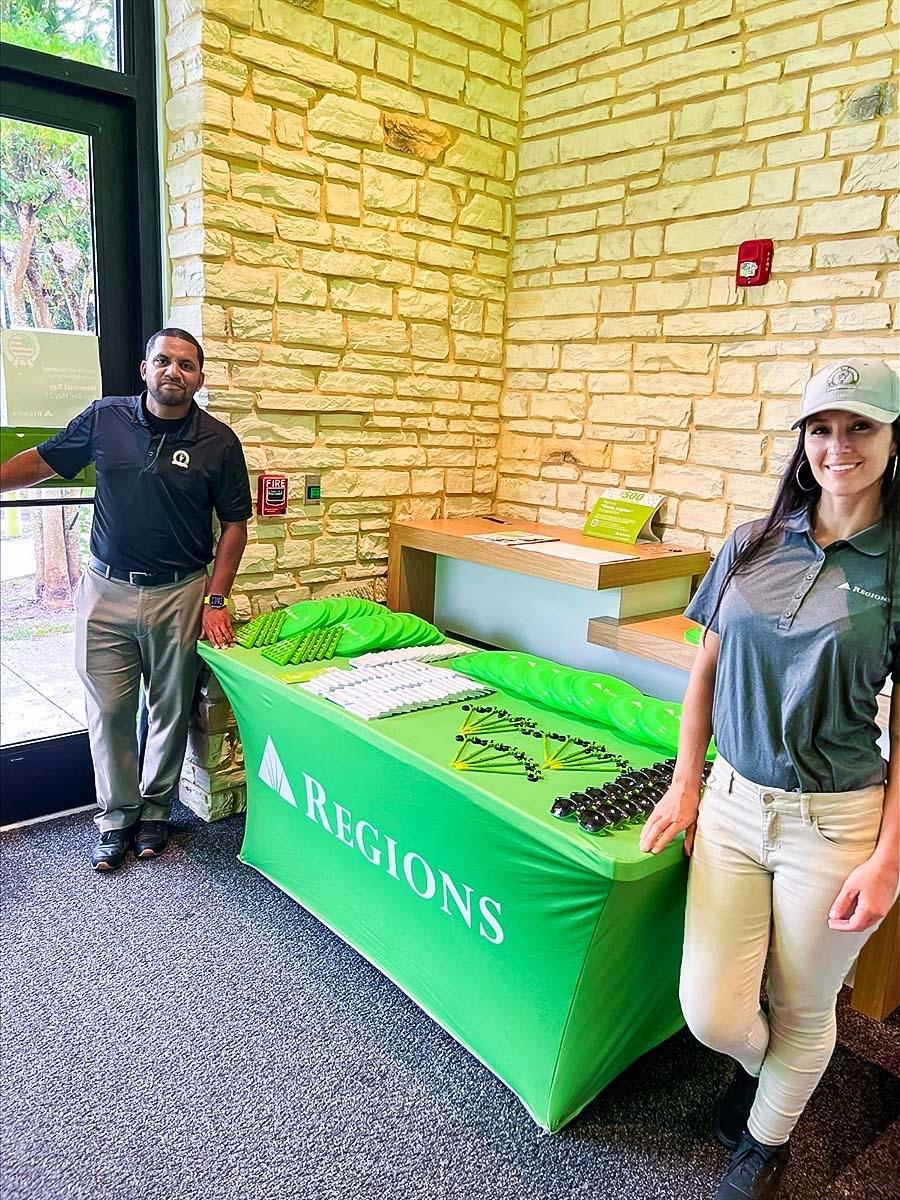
x=81 y=30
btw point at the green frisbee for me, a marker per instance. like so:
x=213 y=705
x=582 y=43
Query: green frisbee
x=592 y=693
x=302 y=617
x=624 y=716
x=693 y=636
x=660 y=722
x=556 y=684
x=360 y=634
x=357 y=607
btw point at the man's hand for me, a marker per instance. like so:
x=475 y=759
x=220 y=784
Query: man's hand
x=217 y=627
x=865 y=898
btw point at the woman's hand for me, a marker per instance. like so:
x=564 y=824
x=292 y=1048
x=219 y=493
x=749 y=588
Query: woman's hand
x=676 y=812
x=865 y=898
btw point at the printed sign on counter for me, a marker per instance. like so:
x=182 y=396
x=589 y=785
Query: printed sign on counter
x=623 y=515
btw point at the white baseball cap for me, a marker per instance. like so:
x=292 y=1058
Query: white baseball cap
x=857 y=385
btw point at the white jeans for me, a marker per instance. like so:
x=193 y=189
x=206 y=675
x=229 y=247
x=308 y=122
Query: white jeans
x=766 y=868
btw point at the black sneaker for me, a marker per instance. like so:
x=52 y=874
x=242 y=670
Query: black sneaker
x=111 y=848
x=734 y=1107
x=755 y=1171
x=151 y=839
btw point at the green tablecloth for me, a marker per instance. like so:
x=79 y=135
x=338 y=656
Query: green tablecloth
x=551 y=954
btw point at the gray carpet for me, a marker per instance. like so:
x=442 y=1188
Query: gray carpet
x=182 y=1029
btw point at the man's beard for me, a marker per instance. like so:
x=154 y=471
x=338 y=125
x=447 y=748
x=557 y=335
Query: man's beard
x=170 y=398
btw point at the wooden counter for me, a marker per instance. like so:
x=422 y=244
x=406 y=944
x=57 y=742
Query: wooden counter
x=414 y=545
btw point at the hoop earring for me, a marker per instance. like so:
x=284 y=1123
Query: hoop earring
x=800 y=482
x=893 y=479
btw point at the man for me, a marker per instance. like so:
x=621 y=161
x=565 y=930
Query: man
x=163 y=467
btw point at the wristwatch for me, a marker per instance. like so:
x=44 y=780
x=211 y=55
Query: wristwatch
x=214 y=600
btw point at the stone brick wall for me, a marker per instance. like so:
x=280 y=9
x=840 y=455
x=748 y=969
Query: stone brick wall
x=340 y=180
x=342 y=176
x=656 y=136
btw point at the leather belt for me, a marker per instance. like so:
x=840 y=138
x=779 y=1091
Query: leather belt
x=141 y=578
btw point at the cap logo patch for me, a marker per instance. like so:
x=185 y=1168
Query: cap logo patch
x=843 y=377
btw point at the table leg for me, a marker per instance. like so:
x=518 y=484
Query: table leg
x=876 y=986
x=410 y=582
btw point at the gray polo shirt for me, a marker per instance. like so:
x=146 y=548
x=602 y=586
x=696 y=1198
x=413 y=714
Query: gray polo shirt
x=805 y=649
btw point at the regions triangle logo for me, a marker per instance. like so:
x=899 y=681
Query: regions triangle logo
x=272 y=772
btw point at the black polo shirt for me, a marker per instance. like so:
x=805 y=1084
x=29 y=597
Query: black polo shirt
x=156 y=492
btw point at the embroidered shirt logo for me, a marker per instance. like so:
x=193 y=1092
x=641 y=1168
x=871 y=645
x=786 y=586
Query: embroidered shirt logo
x=851 y=587
x=843 y=377
x=181 y=458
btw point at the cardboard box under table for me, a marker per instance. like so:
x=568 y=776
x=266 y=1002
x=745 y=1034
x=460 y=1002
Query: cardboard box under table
x=550 y=953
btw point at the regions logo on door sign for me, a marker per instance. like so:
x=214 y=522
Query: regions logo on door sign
x=181 y=458
x=482 y=914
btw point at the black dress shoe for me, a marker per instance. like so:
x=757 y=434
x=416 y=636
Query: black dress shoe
x=734 y=1107
x=755 y=1171
x=151 y=838
x=111 y=848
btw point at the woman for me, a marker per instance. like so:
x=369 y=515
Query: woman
x=795 y=846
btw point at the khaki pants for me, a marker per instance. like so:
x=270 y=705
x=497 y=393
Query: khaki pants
x=766 y=868
x=124 y=633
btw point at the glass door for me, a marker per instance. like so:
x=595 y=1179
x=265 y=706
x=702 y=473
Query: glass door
x=70 y=331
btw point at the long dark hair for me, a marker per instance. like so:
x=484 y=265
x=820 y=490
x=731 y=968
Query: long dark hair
x=791 y=496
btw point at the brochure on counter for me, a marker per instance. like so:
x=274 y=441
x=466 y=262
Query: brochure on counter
x=624 y=515
x=512 y=537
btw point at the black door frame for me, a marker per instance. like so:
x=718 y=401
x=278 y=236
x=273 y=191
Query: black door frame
x=117 y=109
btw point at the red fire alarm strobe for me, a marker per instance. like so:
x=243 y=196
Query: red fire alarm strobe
x=754 y=263
x=271 y=496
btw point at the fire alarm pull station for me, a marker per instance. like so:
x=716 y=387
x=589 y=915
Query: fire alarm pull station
x=754 y=263
x=271 y=496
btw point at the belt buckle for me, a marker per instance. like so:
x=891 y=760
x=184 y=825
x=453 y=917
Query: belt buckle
x=133 y=580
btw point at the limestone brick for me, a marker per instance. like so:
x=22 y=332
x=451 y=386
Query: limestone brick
x=854 y=18
x=728 y=449
x=415 y=135
x=666 y=411
x=341 y=117
x=723 y=112
x=284 y=91
x=296 y=64
x=387 y=192
x=862 y=316
x=854 y=251
x=482 y=212
x=721 y=413
x=614 y=138
x=773 y=187
x=425 y=306
x=355 y=48
x=873 y=172
x=474 y=154
x=673 y=356
x=751 y=491
x=311 y=329
x=719 y=324
x=279 y=191
x=835 y=286
x=859 y=214
x=198 y=105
